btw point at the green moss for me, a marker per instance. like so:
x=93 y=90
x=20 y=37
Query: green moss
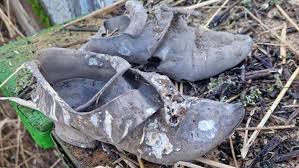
x=39 y=11
x=216 y=83
x=246 y=3
x=276 y=2
x=24 y=79
x=252 y=96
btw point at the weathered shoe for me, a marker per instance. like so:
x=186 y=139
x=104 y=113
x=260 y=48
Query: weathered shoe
x=192 y=54
x=85 y=91
x=94 y=97
x=138 y=35
x=184 y=52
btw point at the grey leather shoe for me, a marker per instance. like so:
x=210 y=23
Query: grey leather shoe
x=95 y=97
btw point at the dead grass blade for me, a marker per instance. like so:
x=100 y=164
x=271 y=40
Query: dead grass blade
x=101 y=12
x=233 y=151
x=266 y=128
x=272 y=32
x=216 y=13
x=18 y=144
x=292 y=116
x=287 y=17
x=8 y=147
x=22 y=102
x=55 y=163
x=186 y=164
x=247 y=125
x=141 y=164
x=213 y=163
x=6 y=21
x=283 y=51
x=27 y=160
x=12 y=29
x=13 y=74
x=205 y=3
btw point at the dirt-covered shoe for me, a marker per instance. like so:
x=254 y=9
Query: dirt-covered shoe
x=177 y=50
x=95 y=97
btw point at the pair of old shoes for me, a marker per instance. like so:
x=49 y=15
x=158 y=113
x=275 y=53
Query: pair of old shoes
x=93 y=94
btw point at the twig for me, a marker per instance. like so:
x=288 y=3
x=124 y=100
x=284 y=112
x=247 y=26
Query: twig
x=233 y=151
x=7 y=3
x=32 y=157
x=272 y=32
x=182 y=88
x=55 y=163
x=186 y=164
x=283 y=51
x=23 y=154
x=213 y=163
x=215 y=14
x=205 y=3
x=178 y=2
x=28 y=24
x=129 y=163
x=267 y=128
x=247 y=125
x=21 y=102
x=18 y=143
x=176 y=85
x=10 y=26
x=78 y=29
x=233 y=98
x=6 y=20
x=287 y=17
x=80 y=41
x=269 y=44
x=1 y=38
x=258 y=74
x=124 y=156
x=273 y=29
x=102 y=11
x=254 y=135
x=283 y=157
x=141 y=164
x=291 y=106
x=266 y=149
x=219 y=18
x=8 y=147
x=10 y=76
x=292 y=116
x=181 y=10
x=263 y=71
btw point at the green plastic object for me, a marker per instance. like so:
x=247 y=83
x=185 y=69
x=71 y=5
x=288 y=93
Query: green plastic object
x=12 y=56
